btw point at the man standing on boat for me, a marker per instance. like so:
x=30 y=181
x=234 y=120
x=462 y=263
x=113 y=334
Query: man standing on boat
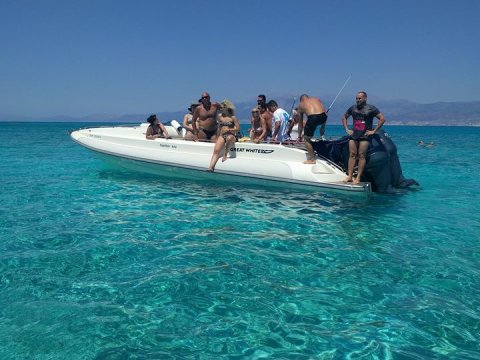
x=206 y=114
x=360 y=137
x=316 y=115
x=279 y=122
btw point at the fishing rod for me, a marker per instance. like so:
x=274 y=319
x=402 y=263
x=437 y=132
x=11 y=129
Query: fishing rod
x=291 y=109
x=344 y=84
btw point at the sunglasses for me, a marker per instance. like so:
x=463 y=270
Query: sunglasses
x=205 y=97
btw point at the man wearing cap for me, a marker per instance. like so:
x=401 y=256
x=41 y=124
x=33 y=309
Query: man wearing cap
x=206 y=115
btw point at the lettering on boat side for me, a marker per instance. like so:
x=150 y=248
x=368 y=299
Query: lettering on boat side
x=256 y=151
x=94 y=136
x=168 y=146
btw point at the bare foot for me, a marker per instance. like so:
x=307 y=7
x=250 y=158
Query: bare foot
x=356 y=181
x=310 y=161
x=347 y=180
x=209 y=170
x=224 y=158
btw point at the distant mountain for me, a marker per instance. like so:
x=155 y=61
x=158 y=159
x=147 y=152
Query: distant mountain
x=397 y=112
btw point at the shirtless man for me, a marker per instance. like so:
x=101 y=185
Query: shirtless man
x=316 y=115
x=206 y=114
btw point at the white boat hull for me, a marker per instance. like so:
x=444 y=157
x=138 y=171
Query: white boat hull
x=128 y=147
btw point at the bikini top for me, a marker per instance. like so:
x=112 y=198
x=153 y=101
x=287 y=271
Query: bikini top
x=156 y=130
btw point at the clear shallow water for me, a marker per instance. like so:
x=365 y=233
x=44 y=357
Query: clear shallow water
x=96 y=263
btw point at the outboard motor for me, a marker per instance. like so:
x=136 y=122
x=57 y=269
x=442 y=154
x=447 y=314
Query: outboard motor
x=397 y=180
x=382 y=169
x=377 y=168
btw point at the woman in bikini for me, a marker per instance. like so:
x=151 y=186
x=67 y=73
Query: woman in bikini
x=228 y=126
x=187 y=122
x=156 y=129
x=258 y=132
x=295 y=129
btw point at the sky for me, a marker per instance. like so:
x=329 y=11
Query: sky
x=83 y=57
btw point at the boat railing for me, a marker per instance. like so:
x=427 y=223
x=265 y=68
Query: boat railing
x=113 y=125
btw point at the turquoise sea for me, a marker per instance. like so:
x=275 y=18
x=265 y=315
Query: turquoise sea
x=96 y=263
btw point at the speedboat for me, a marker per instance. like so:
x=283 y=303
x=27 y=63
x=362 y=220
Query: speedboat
x=279 y=164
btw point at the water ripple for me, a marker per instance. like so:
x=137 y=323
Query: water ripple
x=101 y=264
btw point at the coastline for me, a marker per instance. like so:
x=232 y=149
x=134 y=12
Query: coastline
x=397 y=113
x=242 y=122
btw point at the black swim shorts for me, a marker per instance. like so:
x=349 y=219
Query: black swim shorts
x=209 y=133
x=312 y=122
x=359 y=136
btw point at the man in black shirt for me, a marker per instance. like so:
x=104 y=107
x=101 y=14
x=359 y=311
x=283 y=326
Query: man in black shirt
x=362 y=114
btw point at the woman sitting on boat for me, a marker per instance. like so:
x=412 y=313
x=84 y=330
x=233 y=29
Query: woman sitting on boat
x=156 y=129
x=258 y=132
x=295 y=128
x=187 y=122
x=228 y=126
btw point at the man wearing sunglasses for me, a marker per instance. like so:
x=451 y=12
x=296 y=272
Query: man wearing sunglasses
x=206 y=114
x=261 y=100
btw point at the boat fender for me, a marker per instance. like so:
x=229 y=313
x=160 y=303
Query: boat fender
x=176 y=125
